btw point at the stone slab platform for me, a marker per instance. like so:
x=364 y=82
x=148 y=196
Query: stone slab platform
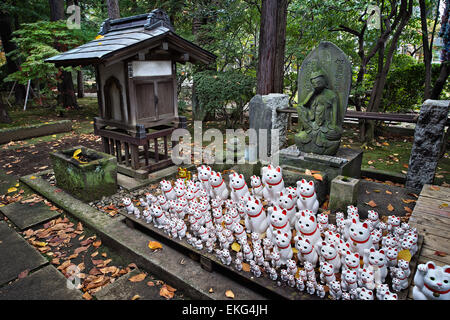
x=16 y=255
x=210 y=262
x=165 y=264
x=27 y=215
x=45 y=284
x=347 y=162
x=123 y=289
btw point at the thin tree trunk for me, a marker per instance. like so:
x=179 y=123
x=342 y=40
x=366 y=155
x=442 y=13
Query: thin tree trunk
x=113 y=9
x=80 y=85
x=4 y=116
x=8 y=46
x=441 y=80
x=426 y=48
x=65 y=87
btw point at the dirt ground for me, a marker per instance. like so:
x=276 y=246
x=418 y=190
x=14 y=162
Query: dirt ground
x=29 y=159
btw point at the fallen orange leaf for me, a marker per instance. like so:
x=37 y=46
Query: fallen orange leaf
x=154 y=245
x=245 y=267
x=229 y=294
x=167 y=291
x=318 y=176
x=138 y=277
x=390 y=207
x=440 y=253
x=97 y=243
x=371 y=203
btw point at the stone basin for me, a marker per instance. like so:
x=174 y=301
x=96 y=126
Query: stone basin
x=86 y=181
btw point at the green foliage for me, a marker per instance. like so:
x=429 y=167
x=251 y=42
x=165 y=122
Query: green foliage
x=225 y=93
x=405 y=85
x=36 y=42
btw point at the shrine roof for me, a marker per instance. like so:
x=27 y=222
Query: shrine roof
x=125 y=37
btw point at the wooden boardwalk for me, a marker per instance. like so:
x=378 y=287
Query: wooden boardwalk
x=431 y=217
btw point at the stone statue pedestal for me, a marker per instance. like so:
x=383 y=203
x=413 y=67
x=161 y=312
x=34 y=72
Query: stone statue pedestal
x=346 y=162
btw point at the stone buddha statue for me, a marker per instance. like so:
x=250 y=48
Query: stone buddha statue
x=318 y=117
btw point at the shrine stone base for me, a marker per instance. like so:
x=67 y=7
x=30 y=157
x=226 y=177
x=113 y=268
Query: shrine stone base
x=346 y=162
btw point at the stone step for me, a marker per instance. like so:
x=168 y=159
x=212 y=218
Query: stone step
x=44 y=284
x=16 y=255
x=168 y=264
x=27 y=215
x=124 y=289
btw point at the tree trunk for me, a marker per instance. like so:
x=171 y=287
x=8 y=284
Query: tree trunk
x=8 y=46
x=271 y=46
x=445 y=64
x=113 y=9
x=65 y=87
x=4 y=116
x=80 y=85
x=202 y=38
x=280 y=47
x=426 y=48
x=377 y=90
x=441 y=80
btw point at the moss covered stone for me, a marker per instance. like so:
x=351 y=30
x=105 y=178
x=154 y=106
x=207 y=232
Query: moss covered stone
x=85 y=181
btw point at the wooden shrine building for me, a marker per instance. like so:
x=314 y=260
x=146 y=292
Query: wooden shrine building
x=135 y=61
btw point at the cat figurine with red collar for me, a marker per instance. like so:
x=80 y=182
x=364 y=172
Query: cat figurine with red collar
x=272 y=179
x=306 y=251
x=283 y=244
x=159 y=218
x=279 y=221
x=377 y=234
x=257 y=186
x=307 y=227
x=307 y=198
x=399 y=280
x=381 y=291
x=239 y=233
x=351 y=261
x=327 y=274
x=329 y=254
x=377 y=260
x=291 y=266
x=255 y=219
x=320 y=291
x=373 y=218
x=393 y=223
x=335 y=290
x=238 y=187
x=293 y=192
x=203 y=174
x=349 y=280
x=129 y=206
x=167 y=190
x=218 y=186
x=287 y=202
x=432 y=282
x=322 y=218
x=360 y=237
x=366 y=278
x=309 y=268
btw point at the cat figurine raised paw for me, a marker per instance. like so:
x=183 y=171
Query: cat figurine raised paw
x=431 y=282
x=307 y=198
x=272 y=179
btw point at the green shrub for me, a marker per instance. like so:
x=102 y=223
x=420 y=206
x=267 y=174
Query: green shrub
x=224 y=93
x=405 y=85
